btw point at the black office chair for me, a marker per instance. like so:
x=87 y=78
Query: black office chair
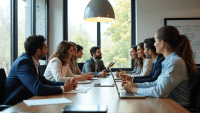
x=2 y=84
x=42 y=69
x=80 y=65
x=195 y=96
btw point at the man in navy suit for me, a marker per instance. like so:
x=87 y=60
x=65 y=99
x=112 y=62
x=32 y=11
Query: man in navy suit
x=94 y=64
x=24 y=79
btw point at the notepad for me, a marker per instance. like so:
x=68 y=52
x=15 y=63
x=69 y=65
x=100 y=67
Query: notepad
x=38 y=102
x=94 y=78
x=84 y=82
x=80 y=90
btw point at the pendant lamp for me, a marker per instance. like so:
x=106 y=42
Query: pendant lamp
x=99 y=11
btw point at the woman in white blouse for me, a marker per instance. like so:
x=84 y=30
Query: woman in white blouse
x=58 y=60
x=146 y=64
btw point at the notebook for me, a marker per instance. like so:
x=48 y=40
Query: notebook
x=124 y=94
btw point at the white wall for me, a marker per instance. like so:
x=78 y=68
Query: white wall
x=151 y=14
x=55 y=24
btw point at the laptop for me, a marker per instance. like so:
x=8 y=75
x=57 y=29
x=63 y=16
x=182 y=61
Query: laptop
x=124 y=94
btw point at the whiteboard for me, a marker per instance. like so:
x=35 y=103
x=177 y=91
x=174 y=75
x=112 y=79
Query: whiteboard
x=191 y=28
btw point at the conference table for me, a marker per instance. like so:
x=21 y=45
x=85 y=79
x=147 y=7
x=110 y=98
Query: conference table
x=104 y=96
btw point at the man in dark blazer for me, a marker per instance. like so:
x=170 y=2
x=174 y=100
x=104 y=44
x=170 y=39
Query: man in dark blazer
x=24 y=79
x=94 y=64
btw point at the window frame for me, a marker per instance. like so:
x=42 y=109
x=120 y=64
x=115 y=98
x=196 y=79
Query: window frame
x=133 y=29
x=14 y=26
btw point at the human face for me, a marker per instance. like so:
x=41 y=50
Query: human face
x=158 y=45
x=146 y=52
x=44 y=52
x=80 y=53
x=140 y=52
x=98 y=54
x=74 y=51
x=133 y=54
x=70 y=52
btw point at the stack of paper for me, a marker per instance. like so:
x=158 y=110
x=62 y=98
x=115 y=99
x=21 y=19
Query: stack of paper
x=84 y=82
x=79 y=90
x=37 y=102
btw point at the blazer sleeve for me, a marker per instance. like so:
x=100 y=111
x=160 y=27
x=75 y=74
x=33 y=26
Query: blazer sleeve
x=151 y=77
x=27 y=75
x=88 y=69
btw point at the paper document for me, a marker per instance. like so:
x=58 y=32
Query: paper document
x=84 y=82
x=95 y=78
x=38 y=102
x=79 y=90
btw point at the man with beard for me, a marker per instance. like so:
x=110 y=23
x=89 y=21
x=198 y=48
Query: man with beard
x=94 y=64
x=24 y=79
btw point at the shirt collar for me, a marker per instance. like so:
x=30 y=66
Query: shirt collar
x=95 y=60
x=36 y=63
x=155 y=59
x=169 y=57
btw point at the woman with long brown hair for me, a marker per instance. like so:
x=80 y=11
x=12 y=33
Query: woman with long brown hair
x=178 y=69
x=58 y=67
x=144 y=63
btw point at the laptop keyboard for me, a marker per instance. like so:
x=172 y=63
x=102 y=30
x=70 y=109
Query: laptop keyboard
x=129 y=94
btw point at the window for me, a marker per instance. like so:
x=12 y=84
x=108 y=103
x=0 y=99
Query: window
x=24 y=23
x=116 y=35
x=5 y=35
x=79 y=31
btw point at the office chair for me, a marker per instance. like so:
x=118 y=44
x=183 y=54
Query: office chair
x=195 y=96
x=80 y=65
x=2 y=83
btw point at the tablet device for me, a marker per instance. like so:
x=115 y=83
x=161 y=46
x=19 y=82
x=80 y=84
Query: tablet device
x=104 y=85
x=85 y=109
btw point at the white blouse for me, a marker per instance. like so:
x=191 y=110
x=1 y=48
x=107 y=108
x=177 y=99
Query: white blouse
x=146 y=68
x=55 y=71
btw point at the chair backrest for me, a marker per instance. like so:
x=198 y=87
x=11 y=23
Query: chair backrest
x=42 y=69
x=195 y=93
x=2 y=84
x=80 y=65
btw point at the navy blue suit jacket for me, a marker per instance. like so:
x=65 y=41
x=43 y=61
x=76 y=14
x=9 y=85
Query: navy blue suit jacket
x=23 y=82
x=154 y=73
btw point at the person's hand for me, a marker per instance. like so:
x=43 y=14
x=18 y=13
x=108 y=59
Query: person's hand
x=126 y=77
x=110 y=65
x=117 y=74
x=68 y=86
x=90 y=77
x=129 y=86
x=74 y=83
x=103 y=73
x=123 y=71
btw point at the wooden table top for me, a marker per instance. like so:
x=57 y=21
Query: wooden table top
x=104 y=96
